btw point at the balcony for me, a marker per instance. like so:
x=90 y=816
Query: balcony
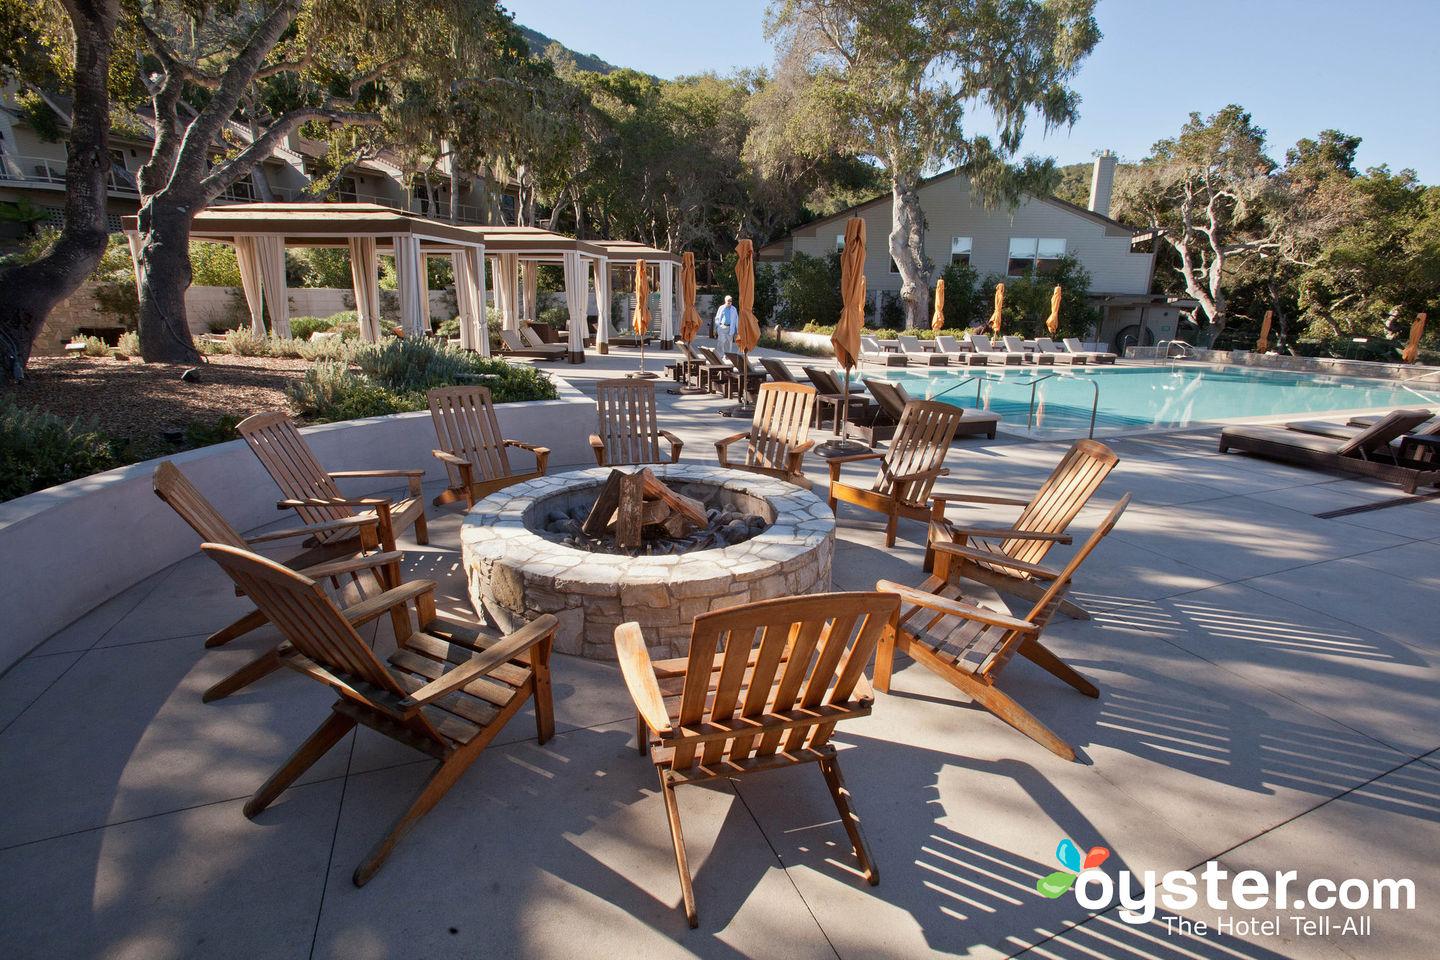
x=49 y=173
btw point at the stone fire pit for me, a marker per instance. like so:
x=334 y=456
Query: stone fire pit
x=515 y=574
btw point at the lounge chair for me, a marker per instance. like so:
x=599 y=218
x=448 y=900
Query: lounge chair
x=1006 y=558
x=1077 y=348
x=469 y=443
x=872 y=352
x=778 y=435
x=892 y=399
x=831 y=396
x=447 y=690
x=778 y=371
x=917 y=355
x=1017 y=345
x=790 y=670
x=982 y=344
x=714 y=372
x=747 y=377
x=909 y=467
x=1047 y=347
x=960 y=353
x=515 y=347
x=628 y=432
x=1367 y=453
x=969 y=645
x=1344 y=431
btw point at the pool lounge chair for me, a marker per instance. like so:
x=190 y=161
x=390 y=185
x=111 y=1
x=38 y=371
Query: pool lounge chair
x=916 y=354
x=515 y=347
x=872 y=352
x=1049 y=348
x=1017 y=345
x=960 y=353
x=832 y=395
x=1367 y=453
x=892 y=399
x=1077 y=348
x=982 y=344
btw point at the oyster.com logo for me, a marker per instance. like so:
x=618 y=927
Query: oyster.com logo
x=1057 y=883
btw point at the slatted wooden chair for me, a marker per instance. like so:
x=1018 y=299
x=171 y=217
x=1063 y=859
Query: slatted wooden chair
x=311 y=489
x=762 y=688
x=447 y=690
x=777 y=440
x=629 y=432
x=969 y=645
x=471 y=447
x=375 y=567
x=908 y=468
x=1041 y=525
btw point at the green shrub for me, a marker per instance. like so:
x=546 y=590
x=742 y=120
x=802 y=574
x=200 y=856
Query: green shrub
x=95 y=347
x=243 y=343
x=448 y=329
x=809 y=290
x=414 y=363
x=331 y=392
x=213 y=265
x=199 y=433
x=557 y=317
x=39 y=450
x=892 y=311
x=346 y=323
x=302 y=327
x=129 y=343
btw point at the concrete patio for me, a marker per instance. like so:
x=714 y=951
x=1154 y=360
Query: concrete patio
x=1270 y=699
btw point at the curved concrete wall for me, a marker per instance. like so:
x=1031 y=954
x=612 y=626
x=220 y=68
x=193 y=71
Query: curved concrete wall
x=66 y=550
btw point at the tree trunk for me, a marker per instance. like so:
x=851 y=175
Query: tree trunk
x=165 y=263
x=907 y=249
x=30 y=291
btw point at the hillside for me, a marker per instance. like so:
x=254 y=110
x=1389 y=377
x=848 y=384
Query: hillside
x=539 y=44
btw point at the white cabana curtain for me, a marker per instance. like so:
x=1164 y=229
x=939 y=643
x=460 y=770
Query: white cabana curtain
x=532 y=291
x=133 y=239
x=667 y=303
x=249 y=261
x=601 y=267
x=470 y=294
x=414 y=289
x=271 y=251
x=365 y=276
x=576 y=299
x=507 y=289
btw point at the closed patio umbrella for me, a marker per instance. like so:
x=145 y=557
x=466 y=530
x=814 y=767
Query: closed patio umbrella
x=937 y=322
x=846 y=339
x=999 y=305
x=1052 y=323
x=690 y=317
x=749 y=333
x=1417 y=330
x=640 y=320
x=1264 y=342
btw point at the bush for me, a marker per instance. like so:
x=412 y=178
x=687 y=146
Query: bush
x=39 y=450
x=213 y=265
x=332 y=392
x=1027 y=301
x=557 y=317
x=892 y=311
x=95 y=347
x=809 y=290
x=129 y=343
x=243 y=343
x=302 y=327
x=198 y=433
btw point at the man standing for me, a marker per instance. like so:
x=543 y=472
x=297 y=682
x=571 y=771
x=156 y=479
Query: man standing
x=727 y=323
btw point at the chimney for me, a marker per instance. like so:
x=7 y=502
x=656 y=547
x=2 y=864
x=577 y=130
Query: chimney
x=1103 y=182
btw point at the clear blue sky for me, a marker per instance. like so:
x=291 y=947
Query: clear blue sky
x=1370 y=69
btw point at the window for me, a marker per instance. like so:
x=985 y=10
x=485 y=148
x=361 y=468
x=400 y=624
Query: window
x=1031 y=256
x=960 y=251
x=839 y=242
x=345 y=189
x=894 y=267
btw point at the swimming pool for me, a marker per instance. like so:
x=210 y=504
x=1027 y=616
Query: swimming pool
x=1146 y=397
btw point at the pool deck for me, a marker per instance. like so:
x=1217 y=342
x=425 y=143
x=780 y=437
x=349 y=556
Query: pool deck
x=1269 y=675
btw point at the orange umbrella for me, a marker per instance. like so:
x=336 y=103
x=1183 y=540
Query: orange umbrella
x=999 y=305
x=641 y=320
x=937 y=322
x=1264 y=342
x=749 y=333
x=846 y=339
x=689 y=318
x=1052 y=323
x=1417 y=330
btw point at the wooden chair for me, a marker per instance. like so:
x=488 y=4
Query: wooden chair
x=969 y=645
x=789 y=671
x=319 y=562
x=908 y=469
x=776 y=443
x=628 y=431
x=447 y=690
x=311 y=489
x=745 y=378
x=715 y=373
x=1040 y=525
x=832 y=396
x=471 y=447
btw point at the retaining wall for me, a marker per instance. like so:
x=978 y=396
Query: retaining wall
x=66 y=550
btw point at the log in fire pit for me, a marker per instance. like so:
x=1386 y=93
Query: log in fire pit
x=526 y=552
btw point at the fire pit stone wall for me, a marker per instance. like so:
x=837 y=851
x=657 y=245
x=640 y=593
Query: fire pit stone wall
x=515 y=574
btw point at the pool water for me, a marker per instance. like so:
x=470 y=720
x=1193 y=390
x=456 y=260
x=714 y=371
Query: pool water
x=1141 y=397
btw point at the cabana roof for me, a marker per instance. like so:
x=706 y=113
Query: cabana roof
x=630 y=250
x=322 y=225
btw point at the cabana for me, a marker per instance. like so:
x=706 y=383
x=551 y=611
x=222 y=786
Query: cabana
x=260 y=232
x=664 y=262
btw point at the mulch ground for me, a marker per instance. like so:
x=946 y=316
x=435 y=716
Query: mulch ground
x=141 y=401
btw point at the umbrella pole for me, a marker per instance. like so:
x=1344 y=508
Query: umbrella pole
x=840 y=445
x=744 y=408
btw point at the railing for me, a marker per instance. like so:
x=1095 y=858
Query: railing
x=1034 y=385
x=48 y=171
x=978 y=380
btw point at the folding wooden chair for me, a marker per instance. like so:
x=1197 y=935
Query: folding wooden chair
x=311 y=488
x=447 y=690
x=471 y=447
x=969 y=645
x=629 y=432
x=776 y=442
x=762 y=688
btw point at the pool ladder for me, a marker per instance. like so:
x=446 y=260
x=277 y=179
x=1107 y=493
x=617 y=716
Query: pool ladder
x=1034 y=383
